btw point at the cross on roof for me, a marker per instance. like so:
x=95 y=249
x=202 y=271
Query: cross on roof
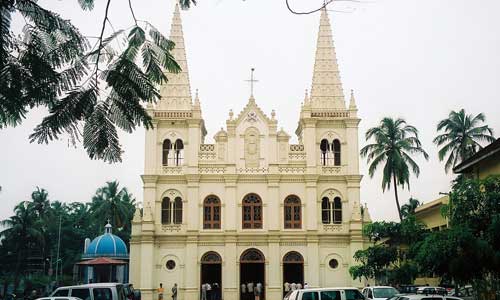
x=251 y=80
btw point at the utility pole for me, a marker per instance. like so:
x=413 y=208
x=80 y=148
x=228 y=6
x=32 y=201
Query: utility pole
x=58 y=248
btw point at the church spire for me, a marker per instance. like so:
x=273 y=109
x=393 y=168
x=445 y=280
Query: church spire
x=326 y=91
x=176 y=93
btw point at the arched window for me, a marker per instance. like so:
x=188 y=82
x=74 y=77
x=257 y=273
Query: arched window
x=336 y=152
x=325 y=211
x=165 y=211
x=252 y=256
x=252 y=212
x=179 y=149
x=293 y=213
x=166 y=151
x=337 y=210
x=177 y=211
x=293 y=257
x=325 y=148
x=211 y=213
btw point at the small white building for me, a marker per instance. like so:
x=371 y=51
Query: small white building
x=251 y=208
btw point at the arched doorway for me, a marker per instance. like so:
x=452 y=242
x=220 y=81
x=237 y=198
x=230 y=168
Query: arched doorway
x=293 y=270
x=211 y=273
x=252 y=274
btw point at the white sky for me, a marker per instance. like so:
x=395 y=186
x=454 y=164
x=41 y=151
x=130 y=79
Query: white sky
x=416 y=59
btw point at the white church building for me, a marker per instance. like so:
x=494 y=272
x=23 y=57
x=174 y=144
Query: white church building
x=250 y=208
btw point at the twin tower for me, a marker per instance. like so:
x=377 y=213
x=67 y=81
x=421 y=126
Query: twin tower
x=250 y=208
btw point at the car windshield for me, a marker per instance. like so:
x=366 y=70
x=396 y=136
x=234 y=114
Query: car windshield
x=384 y=292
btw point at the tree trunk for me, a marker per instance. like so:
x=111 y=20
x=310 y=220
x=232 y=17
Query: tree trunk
x=397 y=199
x=17 y=270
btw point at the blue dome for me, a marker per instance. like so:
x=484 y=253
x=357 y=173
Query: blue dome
x=108 y=245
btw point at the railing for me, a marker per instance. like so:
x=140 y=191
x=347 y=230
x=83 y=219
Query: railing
x=330 y=114
x=171 y=170
x=207 y=152
x=207 y=147
x=173 y=114
x=296 y=148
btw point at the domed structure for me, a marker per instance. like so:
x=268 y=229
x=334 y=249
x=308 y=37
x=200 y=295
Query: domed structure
x=105 y=259
x=107 y=245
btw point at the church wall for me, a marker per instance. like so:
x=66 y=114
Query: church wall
x=250 y=156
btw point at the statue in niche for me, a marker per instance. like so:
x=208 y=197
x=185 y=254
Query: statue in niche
x=221 y=151
x=252 y=148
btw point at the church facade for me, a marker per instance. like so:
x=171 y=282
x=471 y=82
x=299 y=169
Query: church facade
x=251 y=208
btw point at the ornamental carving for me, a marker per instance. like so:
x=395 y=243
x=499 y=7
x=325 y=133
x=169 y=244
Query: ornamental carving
x=212 y=170
x=252 y=170
x=252 y=148
x=333 y=227
x=252 y=117
x=292 y=170
x=171 y=228
x=331 y=170
x=175 y=170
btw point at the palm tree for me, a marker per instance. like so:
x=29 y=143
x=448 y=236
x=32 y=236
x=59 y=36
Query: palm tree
x=395 y=142
x=40 y=201
x=23 y=230
x=461 y=137
x=409 y=208
x=111 y=202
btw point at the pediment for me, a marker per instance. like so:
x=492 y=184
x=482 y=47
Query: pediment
x=253 y=115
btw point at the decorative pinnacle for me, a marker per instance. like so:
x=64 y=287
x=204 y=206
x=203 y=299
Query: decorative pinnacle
x=231 y=114
x=273 y=114
x=306 y=97
x=352 y=102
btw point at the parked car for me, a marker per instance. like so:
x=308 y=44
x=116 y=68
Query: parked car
x=408 y=289
x=379 y=292
x=431 y=290
x=58 y=298
x=347 y=293
x=428 y=297
x=92 y=291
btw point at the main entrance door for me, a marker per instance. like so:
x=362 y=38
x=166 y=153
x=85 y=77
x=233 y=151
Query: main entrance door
x=252 y=275
x=293 y=270
x=211 y=273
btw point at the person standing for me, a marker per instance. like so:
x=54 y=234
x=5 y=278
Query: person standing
x=306 y=286
x=209 y=291
x=174 y=292
x=160 y=292
x=258 y=291
x=204 y=291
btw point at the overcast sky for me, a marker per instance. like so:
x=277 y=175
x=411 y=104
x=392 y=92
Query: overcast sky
x=415 y=59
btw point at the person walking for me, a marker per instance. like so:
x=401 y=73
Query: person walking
x=174 y=292
x=160 y=292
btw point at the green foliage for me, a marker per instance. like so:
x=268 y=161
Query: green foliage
x=89 y=91
x=469 y=251
x=395 y=143
x=390 y=259
x=34 y=229
x=461 y=137
x=373 y=261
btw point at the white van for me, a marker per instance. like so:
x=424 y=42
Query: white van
x=342 y=293
x=92 y=291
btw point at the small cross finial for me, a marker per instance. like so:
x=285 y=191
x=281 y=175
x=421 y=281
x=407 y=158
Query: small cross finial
x=251 y=80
